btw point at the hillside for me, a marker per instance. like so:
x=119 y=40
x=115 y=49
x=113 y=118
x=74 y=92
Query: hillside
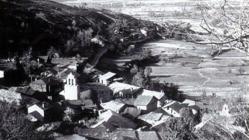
x=42 y=24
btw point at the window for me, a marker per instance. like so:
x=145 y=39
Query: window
x=72 y=82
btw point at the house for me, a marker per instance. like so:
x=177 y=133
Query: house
x=153 y=118
x=49 y=72
x=159 y=95
x=146 y=103
x=189 y=102
x=71 y=88
x=174 y=108
x=115 y=106
x=1 y=73
x=123 y=90
x=130 y=112
x=38 y=111
x=144 y=31
x=107 y=78
x=100 y=92
x=73 y=110
x=29 y=92
x=73 y=65
x=48 y=85
x=99 y=133
x=195 y=109
x=39 y=85
x=225 y=110
x=124 y=134
x=147 y=135
x=112 y=120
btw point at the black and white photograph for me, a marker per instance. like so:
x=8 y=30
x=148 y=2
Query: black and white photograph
x=124 y=69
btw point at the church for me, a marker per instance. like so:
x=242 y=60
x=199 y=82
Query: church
x=71 y=88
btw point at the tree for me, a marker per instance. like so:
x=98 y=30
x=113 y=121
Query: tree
x=50 y=53
x=14 y=125
x=229 y=26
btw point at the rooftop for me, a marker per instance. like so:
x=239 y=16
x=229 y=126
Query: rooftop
x=147 y=135
x=26 y=91
x=176 y=106
x=113 y=105
x=156 y=94
x=151 y=117
x=114 y=120
x=118 y=86
x=143 y=100
x=108 y=75
x=71 y=137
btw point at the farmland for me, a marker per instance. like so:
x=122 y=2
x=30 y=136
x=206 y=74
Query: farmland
x=195 y=71
x=188 y=65
x=159 y=11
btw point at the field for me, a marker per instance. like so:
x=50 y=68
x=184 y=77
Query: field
x=186 y=64
x=192 y=68
x=159 y=11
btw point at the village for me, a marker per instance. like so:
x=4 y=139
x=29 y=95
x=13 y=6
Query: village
x=60 y=93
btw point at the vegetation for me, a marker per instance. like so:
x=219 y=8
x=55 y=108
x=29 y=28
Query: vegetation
x=180 y=128
x=15 y=126
x=229 y=26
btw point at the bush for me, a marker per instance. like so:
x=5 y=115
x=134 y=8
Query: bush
x=14 y=125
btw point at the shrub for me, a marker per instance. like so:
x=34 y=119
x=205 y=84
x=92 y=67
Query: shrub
x=14 y=125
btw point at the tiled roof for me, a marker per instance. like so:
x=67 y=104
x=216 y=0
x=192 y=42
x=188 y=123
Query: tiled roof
x=176 y=106
x=151 y=117
x=143 y=100
x=71 y=137
x=147 y=135
x=26 y=91
x=113 y=105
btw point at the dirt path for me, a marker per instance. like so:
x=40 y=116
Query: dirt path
x=206 y=77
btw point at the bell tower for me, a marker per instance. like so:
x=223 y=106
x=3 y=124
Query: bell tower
x=71 y=88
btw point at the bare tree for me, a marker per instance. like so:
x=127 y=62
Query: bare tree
x=227 y=22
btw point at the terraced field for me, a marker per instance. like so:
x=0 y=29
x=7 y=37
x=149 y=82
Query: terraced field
x=192 y=68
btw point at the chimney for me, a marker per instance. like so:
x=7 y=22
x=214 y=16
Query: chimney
x=43 y=105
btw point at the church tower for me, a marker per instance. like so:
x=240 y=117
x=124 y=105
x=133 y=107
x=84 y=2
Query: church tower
x=71 y=88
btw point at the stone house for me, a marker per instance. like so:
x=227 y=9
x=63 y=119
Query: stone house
x=146 y=103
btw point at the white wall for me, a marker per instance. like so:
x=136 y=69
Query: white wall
x=71 y=89
x=1 y=74
x=172 y=112
x=36 y=108
x=142 y=107
x=103 y=81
